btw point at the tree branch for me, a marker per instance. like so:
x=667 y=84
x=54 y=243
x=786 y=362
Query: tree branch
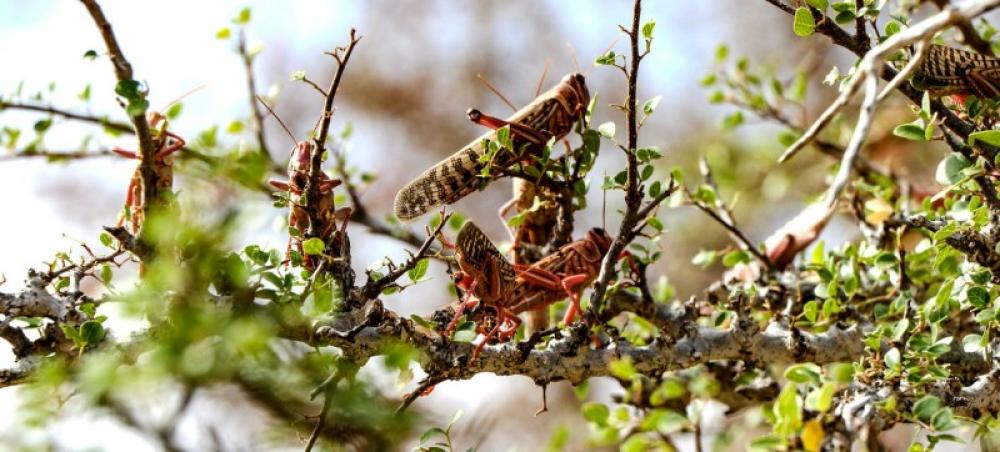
x=123 y=72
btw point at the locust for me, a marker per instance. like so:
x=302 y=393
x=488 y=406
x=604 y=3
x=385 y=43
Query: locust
x=166 y=143
x=490 y=281
x=486 y=277
x=551 y=115
x=298 y=216
x=950 y=71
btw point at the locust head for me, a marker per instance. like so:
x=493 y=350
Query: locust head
x=572 y=93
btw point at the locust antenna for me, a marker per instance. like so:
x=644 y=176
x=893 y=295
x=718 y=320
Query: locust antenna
x=572 y=56
x=608 y=49
x=282 y=123
x=545 y=71
x=495 y=91
x=182 y=96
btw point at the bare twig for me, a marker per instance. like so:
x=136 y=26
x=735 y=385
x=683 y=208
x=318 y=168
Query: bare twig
x=720 y=213
x=94 y=119
x=373 y=288
x=57 y=155
x=104 y=122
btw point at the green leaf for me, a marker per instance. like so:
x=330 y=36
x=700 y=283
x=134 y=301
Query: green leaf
x=733 y=258
x=978 y=296
x=990 y=137
x=90 y=55
x=223 y=33
x=820 y=5
x=174 y=111
x=650 y=106
x=949 y=171
x=803 y=373
x=298 y=76
x=892 y=359
x=705 y=258
x=607 y=130
x=821 y=399
x=243 y=18
x=622 y=368
x=106 y=239
x=732 y=120
x=313 y=247
x=924 y=408
x=137 y=107
x=607 y=59
x=721 y=53
x=804 y=24
x=596 y=413
x=106 y=274
x=128 y=89
x=892 y=27
x=943 y=420
x=91 y=332
x=840 y=372
x=430 y=433
x=72 y=333
x=419 y=270
x=910 y=131
x=647 y=29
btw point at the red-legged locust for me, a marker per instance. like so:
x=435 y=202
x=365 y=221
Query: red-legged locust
x=486 y=277
x=508 y=290
x=949 y=71
x=298 y=216
x=551 y=115
x=166 y=143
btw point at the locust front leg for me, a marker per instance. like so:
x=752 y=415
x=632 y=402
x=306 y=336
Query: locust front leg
x=526 y=132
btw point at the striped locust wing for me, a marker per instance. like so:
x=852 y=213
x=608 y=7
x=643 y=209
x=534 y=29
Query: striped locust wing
x=948 y=71
x=478 y=255
x=552 y=113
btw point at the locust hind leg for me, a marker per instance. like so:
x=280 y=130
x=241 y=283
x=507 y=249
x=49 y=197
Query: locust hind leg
x=569 y=285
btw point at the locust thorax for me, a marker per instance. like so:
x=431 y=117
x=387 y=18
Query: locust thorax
x=601 y=238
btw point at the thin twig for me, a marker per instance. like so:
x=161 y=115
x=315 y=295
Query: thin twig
x=633 y=192
x=123 y=72
x=311 y=191
x=104 y=122
x=373 y=288
x=57 y=155
x=327 y=402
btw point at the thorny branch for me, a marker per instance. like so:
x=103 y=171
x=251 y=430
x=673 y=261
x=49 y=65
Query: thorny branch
x=311 y=192
x=633 y=191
